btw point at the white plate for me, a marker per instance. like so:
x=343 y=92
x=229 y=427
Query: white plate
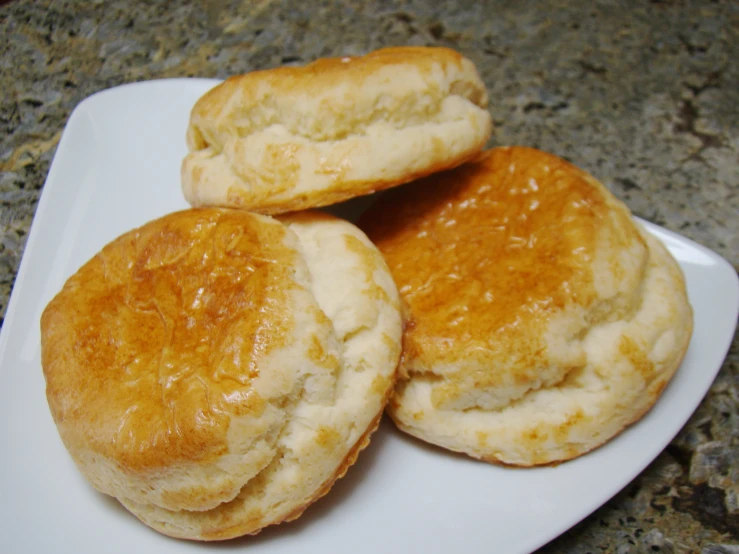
x=117 y=166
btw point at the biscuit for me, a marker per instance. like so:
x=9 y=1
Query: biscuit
x=543 y=319
x=217 y=370
x=291 y=138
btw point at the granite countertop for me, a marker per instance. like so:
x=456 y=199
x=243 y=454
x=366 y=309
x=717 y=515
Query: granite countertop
x=644 y=95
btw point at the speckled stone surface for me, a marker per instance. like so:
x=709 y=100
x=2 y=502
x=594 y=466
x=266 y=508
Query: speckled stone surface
x=644 y=95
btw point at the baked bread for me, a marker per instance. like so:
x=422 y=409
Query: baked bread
x=217 y=370
x=291 y=138
x=542 y=319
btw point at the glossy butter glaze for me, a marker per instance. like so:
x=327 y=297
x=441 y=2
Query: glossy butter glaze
x=149 y=349
x=499 y=262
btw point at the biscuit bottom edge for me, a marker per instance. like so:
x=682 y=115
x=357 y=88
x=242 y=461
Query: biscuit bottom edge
x=249 y=526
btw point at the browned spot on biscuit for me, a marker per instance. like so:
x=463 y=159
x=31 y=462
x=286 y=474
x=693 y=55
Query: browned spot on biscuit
x=328 y=437
x=535 y=434
x=197 y=172
x=380 y=385
x=637 y=357
x=318 y=354
x=245 y=402
x=572 y=420
x=438 y=147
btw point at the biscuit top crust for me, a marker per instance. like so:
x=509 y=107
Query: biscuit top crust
x=499 y=262
x=150 y=348
x=333 y=98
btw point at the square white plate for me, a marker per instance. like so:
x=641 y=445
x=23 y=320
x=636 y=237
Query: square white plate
x=116 y=167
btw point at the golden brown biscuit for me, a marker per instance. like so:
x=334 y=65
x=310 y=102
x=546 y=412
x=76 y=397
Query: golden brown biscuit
x=543 y=319
x=211 y=374
x=291 y=138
